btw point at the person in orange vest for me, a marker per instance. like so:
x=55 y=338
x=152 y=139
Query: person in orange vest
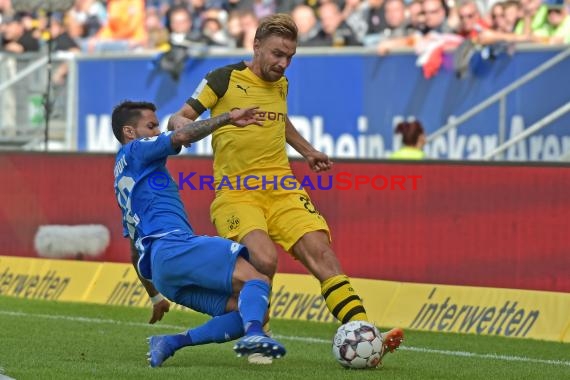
x=125 y=27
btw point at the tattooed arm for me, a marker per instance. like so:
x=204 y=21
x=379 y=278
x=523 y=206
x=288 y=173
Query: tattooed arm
x=194 y=131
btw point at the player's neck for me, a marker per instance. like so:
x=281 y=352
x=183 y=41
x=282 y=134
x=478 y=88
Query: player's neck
x=254 y=68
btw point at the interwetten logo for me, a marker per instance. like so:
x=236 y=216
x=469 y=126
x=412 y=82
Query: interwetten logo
x=340 y=181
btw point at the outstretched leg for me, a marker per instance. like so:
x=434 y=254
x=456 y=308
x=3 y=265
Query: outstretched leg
x=217 y=330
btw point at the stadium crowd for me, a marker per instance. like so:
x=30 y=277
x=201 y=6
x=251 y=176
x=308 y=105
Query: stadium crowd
x=126 y=25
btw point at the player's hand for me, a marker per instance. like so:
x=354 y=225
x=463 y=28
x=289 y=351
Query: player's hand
x=318 y=161
x=245 y=116
x=158 y=310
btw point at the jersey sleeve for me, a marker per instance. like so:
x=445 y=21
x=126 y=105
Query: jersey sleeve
x=210 y=90
x=150 y=149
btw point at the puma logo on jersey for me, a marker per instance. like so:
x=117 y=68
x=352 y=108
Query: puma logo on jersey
x=244 y=89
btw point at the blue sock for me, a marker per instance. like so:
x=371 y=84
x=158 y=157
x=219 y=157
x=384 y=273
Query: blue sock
x=217 y=330
x=253 y=302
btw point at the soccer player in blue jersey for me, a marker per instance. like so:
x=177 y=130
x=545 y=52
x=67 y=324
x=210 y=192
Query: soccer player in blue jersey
x=211 y=275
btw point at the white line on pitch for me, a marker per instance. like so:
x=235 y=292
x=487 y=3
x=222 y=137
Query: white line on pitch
x=508 y=358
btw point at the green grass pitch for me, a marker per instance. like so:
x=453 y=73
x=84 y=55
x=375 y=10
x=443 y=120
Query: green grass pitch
x=55 y=340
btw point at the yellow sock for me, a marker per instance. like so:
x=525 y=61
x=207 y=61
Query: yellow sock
x=342 y=300
x=267 y=329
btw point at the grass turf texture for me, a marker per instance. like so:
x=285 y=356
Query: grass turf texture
x=56 y=340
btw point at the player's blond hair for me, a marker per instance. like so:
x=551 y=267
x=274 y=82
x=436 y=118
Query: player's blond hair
x=279 y=24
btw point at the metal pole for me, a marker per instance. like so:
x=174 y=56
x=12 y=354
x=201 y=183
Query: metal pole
x=47 y=100
x=513 y=86
x=502 y=119
x=23 y=73
x=530 y=130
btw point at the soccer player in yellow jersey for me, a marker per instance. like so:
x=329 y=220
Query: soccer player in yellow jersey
x=270 y=213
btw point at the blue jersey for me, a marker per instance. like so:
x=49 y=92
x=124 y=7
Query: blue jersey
x=147 y=194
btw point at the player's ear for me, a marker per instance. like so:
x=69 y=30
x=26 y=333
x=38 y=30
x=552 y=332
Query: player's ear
x=256 y=45
x=129 y=132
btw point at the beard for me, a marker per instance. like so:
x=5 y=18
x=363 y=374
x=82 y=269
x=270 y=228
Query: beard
x=272 y=75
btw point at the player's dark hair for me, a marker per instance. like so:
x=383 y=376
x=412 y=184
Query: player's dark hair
x=279 y=24
x=411 y=131
x=128 y=113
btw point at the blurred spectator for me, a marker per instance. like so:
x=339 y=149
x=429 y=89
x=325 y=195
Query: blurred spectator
x=249 y=23
x=416 y=17
x=15 y=37
x=558 y=25
x=497 y=17
x=413 y=141
x=157 y=32
x=350 y=6
x=196 y=8
x=235 y=32
x=61 y=39
x=438 y=39
x=367 y=21
x=125 y=27
x=504 y=18
x=511 y=13
x=431 y=41
x=181 y=39
x=334 y=31
x=307 y=25
x=396 y=25
x=213 y=29
x=436 y=12
x=5 y=9
x=534 y=18
x=214 y=33
x=471 y=23
x=86 y=17
x=179 y=24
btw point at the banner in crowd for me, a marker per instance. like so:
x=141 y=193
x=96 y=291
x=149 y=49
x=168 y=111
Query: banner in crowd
x=348 y=104
x=482 y=311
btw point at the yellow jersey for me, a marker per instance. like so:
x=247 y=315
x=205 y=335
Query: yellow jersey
x=252 y=150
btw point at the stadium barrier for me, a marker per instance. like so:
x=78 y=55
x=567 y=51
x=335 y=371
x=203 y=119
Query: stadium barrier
x=488 y=225
x=458 y=309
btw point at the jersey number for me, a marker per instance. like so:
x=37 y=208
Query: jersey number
x=125 y=186
x=308 y=205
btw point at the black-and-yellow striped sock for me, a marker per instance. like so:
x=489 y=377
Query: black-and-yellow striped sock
x=342 y=300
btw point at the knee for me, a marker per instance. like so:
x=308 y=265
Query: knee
x=267 y=266
x=262 y=277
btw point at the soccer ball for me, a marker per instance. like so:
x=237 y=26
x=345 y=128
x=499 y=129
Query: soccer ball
x=358 y=344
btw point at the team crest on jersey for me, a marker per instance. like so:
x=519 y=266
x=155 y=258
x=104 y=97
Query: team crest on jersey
x=282 y=92
x=233 y=222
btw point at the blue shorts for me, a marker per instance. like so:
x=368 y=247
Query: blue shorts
x=195 y=271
